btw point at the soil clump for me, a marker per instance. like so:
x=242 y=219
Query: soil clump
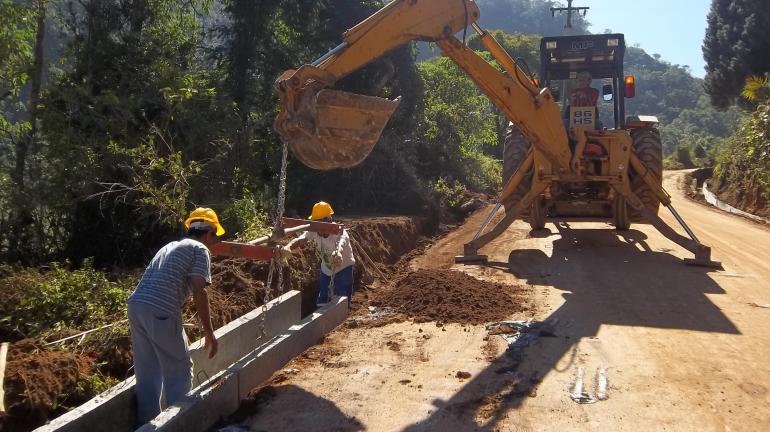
x=40 y=384
x=448 y=296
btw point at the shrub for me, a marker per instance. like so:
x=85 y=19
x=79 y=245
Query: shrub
x=34 y=302
x=448 y=192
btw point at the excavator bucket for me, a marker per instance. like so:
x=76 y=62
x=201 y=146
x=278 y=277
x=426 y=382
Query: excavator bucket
x=328 y=129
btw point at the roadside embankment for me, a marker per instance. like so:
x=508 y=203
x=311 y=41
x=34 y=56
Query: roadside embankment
x=749 y=202
x=44 y=381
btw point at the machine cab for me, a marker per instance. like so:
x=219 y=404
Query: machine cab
x=566 y=63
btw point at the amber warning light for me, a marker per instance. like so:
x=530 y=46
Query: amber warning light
x=630 y=86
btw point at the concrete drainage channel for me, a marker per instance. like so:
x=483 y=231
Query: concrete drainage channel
x=244 y=361
x=712 y=199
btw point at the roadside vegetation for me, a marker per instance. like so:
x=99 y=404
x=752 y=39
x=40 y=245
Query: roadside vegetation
x=743 y=159
x=117 y=118
x=740 y=77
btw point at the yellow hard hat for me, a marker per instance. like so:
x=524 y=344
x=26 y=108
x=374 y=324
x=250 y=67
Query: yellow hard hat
x=206 y=215
x=321 y=210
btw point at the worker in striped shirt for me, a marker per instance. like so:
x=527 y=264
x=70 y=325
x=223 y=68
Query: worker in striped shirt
x=162 y=363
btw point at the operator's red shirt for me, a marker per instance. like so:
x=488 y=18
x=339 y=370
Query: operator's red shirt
x=587 y=96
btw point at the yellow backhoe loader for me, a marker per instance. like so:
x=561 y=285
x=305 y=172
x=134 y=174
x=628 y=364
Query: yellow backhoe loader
x=558 y=165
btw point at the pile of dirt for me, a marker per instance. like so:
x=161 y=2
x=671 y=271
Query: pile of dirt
x=449 y=296
x=238 y=285
x=40 y=384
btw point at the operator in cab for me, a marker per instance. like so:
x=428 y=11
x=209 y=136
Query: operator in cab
x=584 y=95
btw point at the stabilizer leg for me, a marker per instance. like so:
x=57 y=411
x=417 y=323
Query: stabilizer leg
x=702 y=252
x=470 y=250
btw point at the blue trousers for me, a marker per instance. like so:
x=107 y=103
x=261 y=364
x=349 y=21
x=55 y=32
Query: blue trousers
x=162 y=362
x=343 y=285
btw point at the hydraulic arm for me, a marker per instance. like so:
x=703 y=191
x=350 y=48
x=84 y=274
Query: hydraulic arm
x=329 y=129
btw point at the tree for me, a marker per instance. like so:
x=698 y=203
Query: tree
x=678 y=99
x=735 y=46
x=683 y=157
x=458 y=123
x=524 y=49
x=743 y=159
x=20 y=65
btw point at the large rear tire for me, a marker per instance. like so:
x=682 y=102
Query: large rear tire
x=649 y=149
x=515 y=152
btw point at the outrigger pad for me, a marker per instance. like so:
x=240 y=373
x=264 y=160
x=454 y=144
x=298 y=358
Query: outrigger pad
x=703 y=262
x=703 y=258
x=471 y=259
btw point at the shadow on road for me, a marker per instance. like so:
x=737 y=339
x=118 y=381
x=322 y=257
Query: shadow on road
x=308 y=411
x=607 y=278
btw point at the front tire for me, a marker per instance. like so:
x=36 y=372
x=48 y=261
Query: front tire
x=620 y=214
x=537 y=218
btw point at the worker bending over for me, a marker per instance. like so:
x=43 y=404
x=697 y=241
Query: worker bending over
x=335 y=253
x=162 y=363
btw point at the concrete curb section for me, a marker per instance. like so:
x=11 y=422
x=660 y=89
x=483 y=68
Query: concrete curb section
x=115 y=409
x=712 y=199
x=221 y=395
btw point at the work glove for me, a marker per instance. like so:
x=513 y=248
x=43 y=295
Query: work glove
x=336 y=260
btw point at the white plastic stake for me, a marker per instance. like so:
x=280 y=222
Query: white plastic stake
x=601 y=384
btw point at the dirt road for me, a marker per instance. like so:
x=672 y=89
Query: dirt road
x=684 y=348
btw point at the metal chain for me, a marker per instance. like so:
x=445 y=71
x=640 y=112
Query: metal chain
x=275 y=262
x=332 y=267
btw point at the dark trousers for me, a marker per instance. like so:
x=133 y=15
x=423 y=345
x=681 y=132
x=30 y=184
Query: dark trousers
x=343 y=285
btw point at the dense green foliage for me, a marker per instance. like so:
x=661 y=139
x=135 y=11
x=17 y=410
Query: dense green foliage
x=16 y=32
x=678 y=99
x=735 y=47
x=523 y=49
x=744 y=158
x=154 y=107
x=458 y=124
x=59 y=298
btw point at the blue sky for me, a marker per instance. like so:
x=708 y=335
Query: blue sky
x=672 y=28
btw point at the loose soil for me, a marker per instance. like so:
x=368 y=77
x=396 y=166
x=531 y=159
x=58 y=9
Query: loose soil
x=684 y=348
x=449 y=296
x=41 y=384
